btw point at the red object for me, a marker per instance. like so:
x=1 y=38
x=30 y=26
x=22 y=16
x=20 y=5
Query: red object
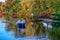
x=1 y=13
x=44 y=14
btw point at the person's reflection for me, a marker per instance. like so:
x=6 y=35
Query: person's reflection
x=21 y=26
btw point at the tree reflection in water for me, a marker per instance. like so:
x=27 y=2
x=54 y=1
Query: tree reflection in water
x=4 y=35
x=9 y=34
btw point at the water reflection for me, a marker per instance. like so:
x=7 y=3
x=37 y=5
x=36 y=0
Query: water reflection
x=4 y=35
x=45 y=25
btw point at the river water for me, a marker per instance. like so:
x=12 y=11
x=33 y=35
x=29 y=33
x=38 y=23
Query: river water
x=4 y=35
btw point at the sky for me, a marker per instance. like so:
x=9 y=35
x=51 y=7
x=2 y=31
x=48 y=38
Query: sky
x=2 y=0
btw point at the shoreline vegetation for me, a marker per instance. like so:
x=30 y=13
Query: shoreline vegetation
x=31 y=11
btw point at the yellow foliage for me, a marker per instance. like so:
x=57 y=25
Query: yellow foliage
x=27 y=6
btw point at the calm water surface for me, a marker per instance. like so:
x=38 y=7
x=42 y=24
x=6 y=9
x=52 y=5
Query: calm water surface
x=4 y=35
